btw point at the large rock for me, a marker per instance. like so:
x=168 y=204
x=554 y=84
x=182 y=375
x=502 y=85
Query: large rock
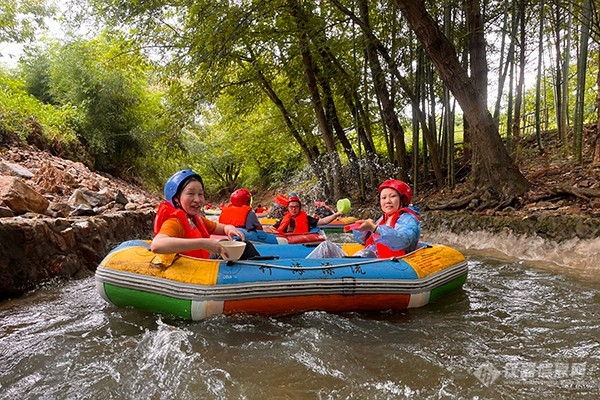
x=36 y=250
x=90 y=198
x=19 y=197
x=8 y=168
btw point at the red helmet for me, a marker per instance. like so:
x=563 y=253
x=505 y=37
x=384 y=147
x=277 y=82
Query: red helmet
x=401 y=187
x=240 y=197
x=294 y=197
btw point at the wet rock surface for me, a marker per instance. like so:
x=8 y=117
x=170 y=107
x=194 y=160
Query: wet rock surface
x=35 y=250
x=557 y=228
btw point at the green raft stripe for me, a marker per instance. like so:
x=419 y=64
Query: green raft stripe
x=447 y=287
x=333 y=229
x=151 y=302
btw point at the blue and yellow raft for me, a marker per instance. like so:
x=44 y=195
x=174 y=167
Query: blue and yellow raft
x=133 y=276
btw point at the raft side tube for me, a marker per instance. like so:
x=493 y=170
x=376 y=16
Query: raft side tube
x=277 y=288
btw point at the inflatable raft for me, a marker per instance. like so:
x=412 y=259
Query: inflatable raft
x=336 y=226
x=132 y=276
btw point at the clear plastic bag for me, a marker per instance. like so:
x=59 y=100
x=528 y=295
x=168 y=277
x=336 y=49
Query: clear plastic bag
x=327 y=249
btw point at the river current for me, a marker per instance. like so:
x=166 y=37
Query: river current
x=519 y=328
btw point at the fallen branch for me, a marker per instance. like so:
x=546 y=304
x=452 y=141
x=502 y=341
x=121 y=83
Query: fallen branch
x=582 y=193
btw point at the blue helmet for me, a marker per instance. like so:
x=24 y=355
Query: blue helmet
x=175 y=183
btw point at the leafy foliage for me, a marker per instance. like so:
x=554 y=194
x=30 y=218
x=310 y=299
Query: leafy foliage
x=26 y=119
x=221 y=87
x=20 y=18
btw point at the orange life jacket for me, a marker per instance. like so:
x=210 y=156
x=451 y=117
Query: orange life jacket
x=236 y=216
x=301 y=223
x=167 y=211
x=384 y=251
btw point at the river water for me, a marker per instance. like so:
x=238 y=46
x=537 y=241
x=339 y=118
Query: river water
x=515 y=330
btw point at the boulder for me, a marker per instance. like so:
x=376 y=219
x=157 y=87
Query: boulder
x=90 y=198
x=20 y=197
x=8 y=168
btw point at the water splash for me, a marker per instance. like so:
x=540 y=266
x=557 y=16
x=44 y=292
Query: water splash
x=576 y=257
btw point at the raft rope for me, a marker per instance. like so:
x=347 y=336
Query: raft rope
x=324 y=265
x=298 y=267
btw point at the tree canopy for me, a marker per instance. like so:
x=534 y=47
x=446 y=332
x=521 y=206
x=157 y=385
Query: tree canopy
x=249 y=92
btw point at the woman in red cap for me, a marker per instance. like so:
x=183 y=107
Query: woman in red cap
x=297 y=221
x=397 y=231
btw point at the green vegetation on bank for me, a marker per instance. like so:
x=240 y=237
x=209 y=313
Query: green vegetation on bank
x=103 y=103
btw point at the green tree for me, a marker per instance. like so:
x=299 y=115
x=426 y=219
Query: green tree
x=106 y=81
x=495 y=174
x=19 y=19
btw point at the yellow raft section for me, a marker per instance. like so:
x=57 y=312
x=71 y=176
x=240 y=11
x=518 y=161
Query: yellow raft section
x=181 y=269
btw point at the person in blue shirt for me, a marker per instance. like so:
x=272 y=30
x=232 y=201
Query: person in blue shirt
x=397 y=232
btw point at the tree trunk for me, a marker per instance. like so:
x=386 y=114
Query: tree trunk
x=565 y=73
x=502 y=65
x=429 y=136
x=516 y=124
x=538 y=83
x=511 y=75
x=361 y=121
x=387 y=107
x=558 y=83
x=496 y=173
x=584 y=37
x=477 y=53
x=596 y=155
x=310 y=155
x=333 y=162
x=332 y=116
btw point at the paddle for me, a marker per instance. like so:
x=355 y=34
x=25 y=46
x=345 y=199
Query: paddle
x=352 y=226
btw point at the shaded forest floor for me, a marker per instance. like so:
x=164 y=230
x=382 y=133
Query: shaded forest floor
x=559 y=184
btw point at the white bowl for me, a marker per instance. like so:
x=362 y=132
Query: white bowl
x=234 y=248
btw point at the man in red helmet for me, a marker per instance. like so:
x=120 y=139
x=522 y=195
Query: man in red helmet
x=397 y=231
x=239 y=213
x=297 y=221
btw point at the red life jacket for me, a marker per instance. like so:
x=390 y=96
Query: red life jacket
x=236 y=216
x=390 y=220
x=167 y=211
x=301 y=223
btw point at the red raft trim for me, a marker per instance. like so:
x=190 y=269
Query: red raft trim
x=329 y=303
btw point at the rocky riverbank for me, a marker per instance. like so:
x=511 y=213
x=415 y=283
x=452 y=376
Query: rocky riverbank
x=58 y=219
x=36 y=250
x=557 y=228
x=566 y=244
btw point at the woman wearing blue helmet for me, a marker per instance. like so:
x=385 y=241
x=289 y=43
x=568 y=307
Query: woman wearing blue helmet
x=180 y=227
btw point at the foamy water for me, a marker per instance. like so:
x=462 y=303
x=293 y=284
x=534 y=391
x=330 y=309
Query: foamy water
x=573 y=257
